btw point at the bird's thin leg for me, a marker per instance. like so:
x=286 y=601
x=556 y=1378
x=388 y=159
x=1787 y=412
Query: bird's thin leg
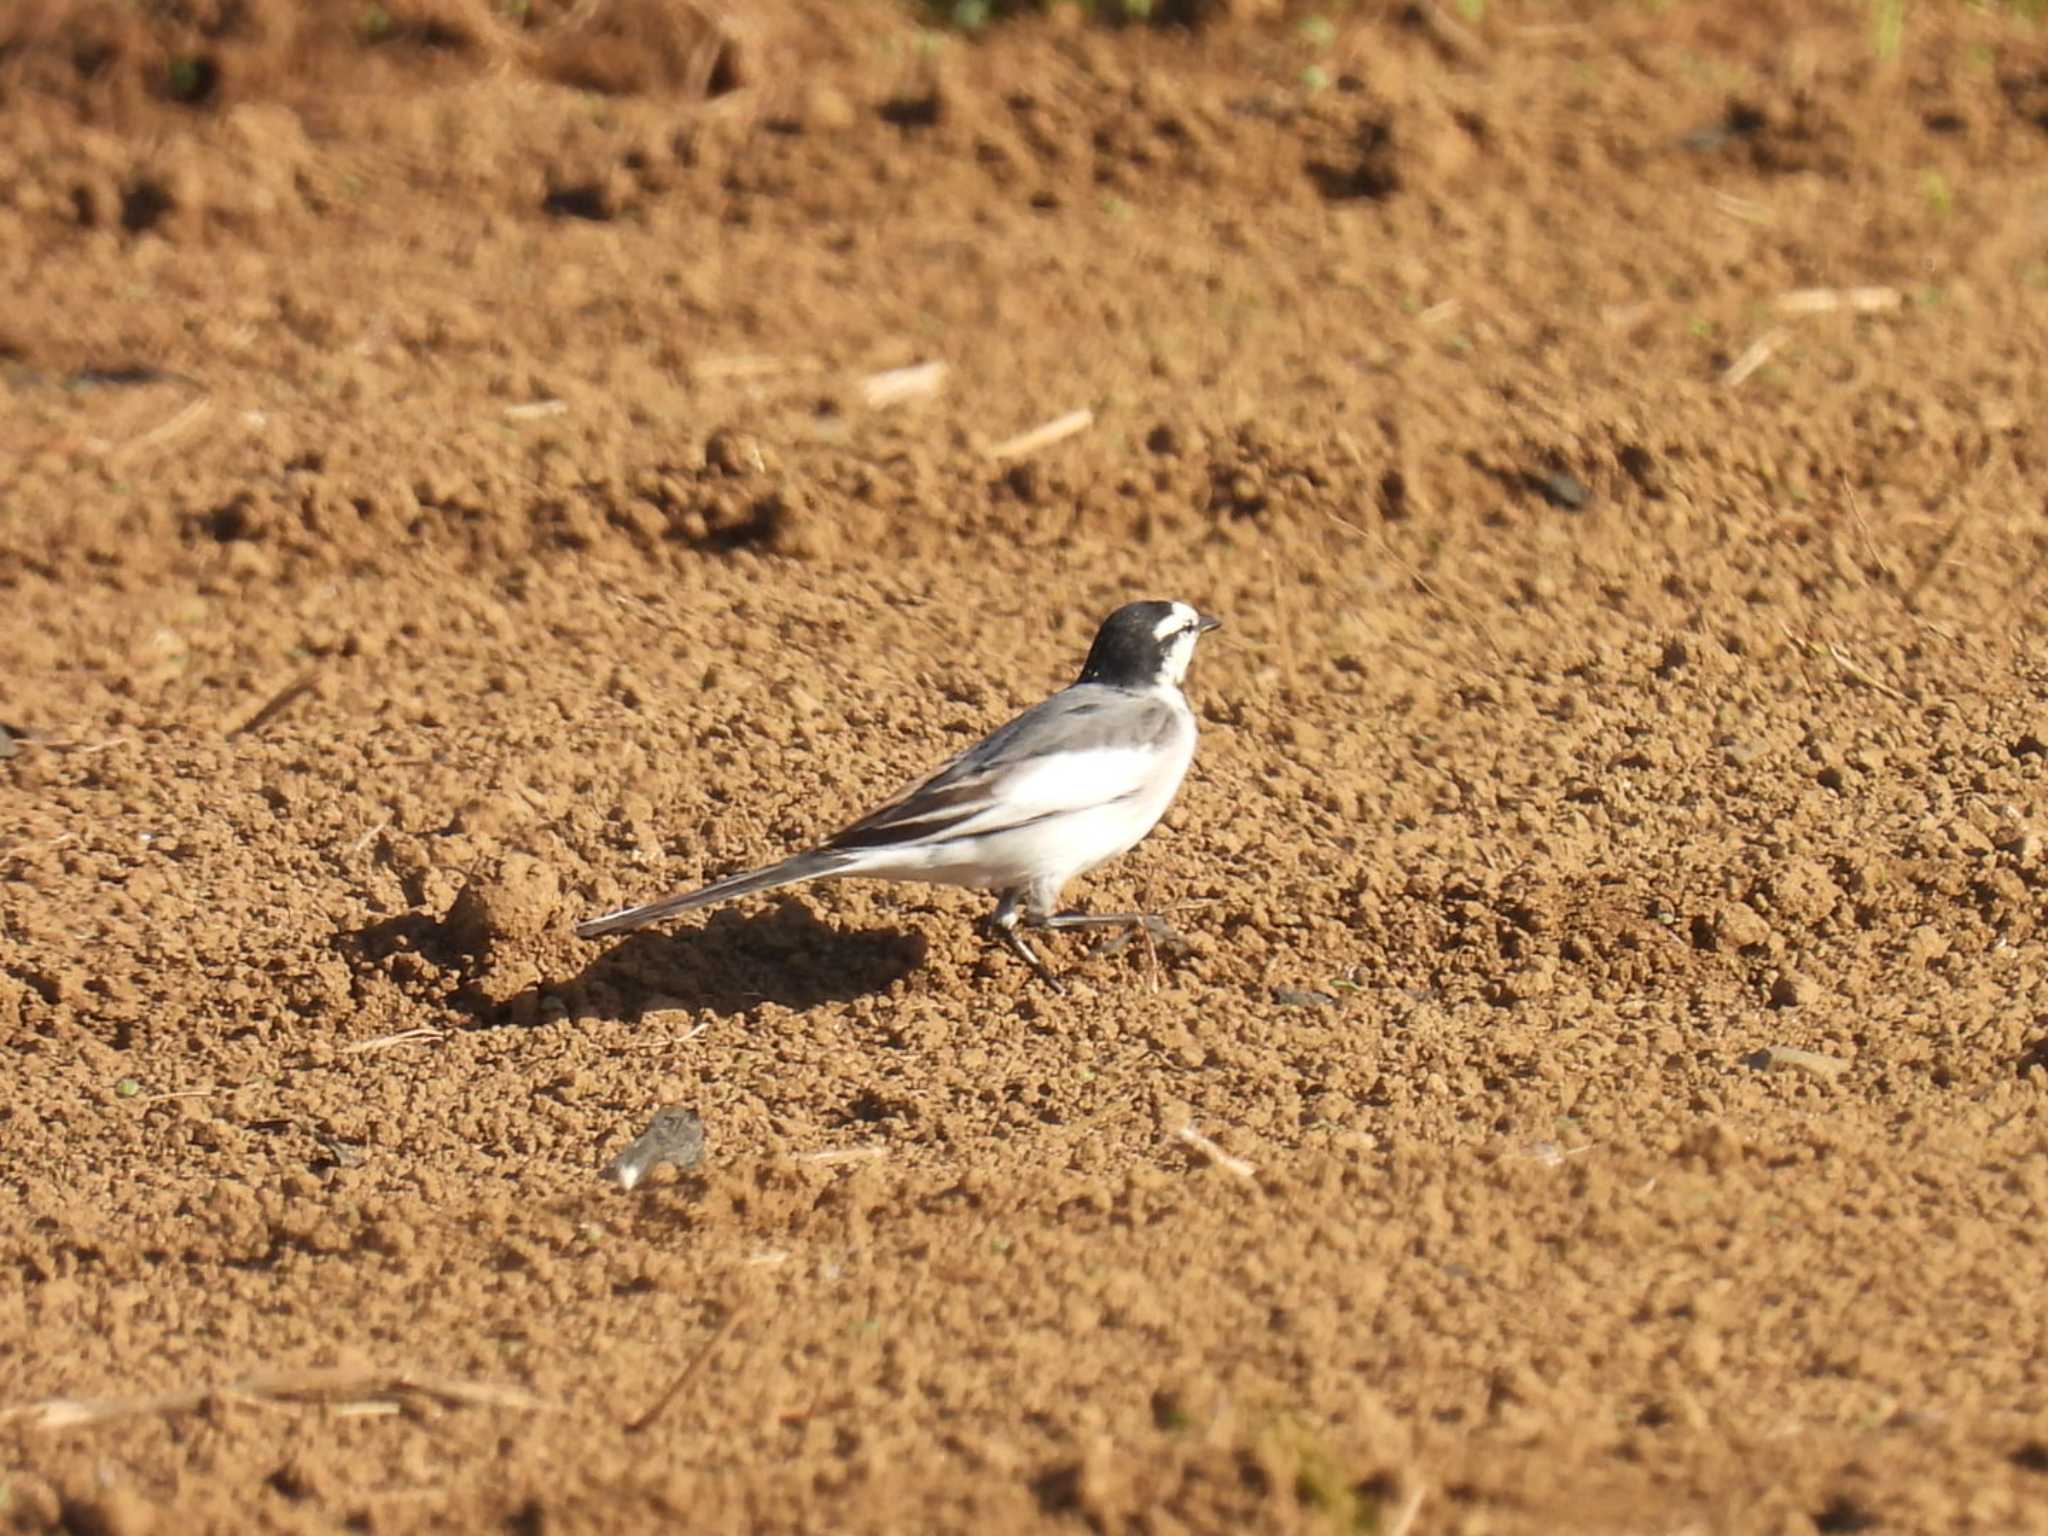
x=1151 y=924
x=1009 y=914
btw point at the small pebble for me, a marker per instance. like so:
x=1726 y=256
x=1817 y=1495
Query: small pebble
x=1792 y=990
x=1561 y=489
x=117 y=1512
x=675 y=1135
x=1737 y=926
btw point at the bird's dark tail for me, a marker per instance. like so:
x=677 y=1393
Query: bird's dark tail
x=792 y=871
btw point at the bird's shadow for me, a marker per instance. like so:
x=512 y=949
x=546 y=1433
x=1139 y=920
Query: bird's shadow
x=730 y=964
x=737 y=961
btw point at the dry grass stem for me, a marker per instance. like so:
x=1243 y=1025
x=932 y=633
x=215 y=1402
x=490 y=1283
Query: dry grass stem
x=1936 y=557
x=1404 y=1522
x=1816 y=1063
x=1747 y=209
x=277 y=704
x=183 y=421
x=350 y=1385
x=1059 y=428
x=895 y=386
x=1863 y=530
x=665 y=1044
x=843 y=1155
x=1754 y=356
x=386 y=1042
x=368 y=837
x=536 y=410
x=1214 y=1153
x=55 y=1413
x=747 y=365
x=1856 y=672
x=696 y=1364
x=1288 y=661
x=354 y=1391
x=1451 y=33
x=1822 y=301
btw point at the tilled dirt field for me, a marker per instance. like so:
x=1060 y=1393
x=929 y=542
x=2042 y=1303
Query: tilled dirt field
x=443 y=494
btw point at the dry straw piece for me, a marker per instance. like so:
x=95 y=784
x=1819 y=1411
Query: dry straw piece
x=1754 y=356
x=1822 y=301
x=683 y=1378
x=341 y=1389
x=1817 y=1063
x=385 y=1042
x=536 y=410
x=1044 y=437
x=1214 y=1153
x=277 y=703
x=895 y=386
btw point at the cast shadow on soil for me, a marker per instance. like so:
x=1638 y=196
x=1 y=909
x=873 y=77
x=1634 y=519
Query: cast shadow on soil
x=731 y=963
x=739 y=960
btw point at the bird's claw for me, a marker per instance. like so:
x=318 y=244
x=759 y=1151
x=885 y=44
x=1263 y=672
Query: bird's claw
x=1018 y=945
x=1156 y=928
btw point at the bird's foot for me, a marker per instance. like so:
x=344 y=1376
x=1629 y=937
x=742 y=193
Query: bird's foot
x=1003 y=927
x=1155 y=928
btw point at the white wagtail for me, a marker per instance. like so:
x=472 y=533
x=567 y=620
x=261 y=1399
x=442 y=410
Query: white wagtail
x=1067 y=785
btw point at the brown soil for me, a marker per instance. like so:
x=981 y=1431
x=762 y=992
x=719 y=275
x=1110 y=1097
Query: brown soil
x=440 y=502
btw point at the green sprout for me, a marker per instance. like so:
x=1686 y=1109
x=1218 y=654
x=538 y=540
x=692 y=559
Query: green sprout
x=186 y=78
x=1941 y=199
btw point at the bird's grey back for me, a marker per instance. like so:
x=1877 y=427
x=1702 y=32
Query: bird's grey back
x=1082 y=718
x=1086 y=717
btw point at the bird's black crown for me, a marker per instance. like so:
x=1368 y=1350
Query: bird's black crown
x=1144 y=644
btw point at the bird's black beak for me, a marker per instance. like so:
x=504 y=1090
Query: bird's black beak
x=1206 y=622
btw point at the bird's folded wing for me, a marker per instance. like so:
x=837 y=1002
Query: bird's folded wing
x=1080 y=749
